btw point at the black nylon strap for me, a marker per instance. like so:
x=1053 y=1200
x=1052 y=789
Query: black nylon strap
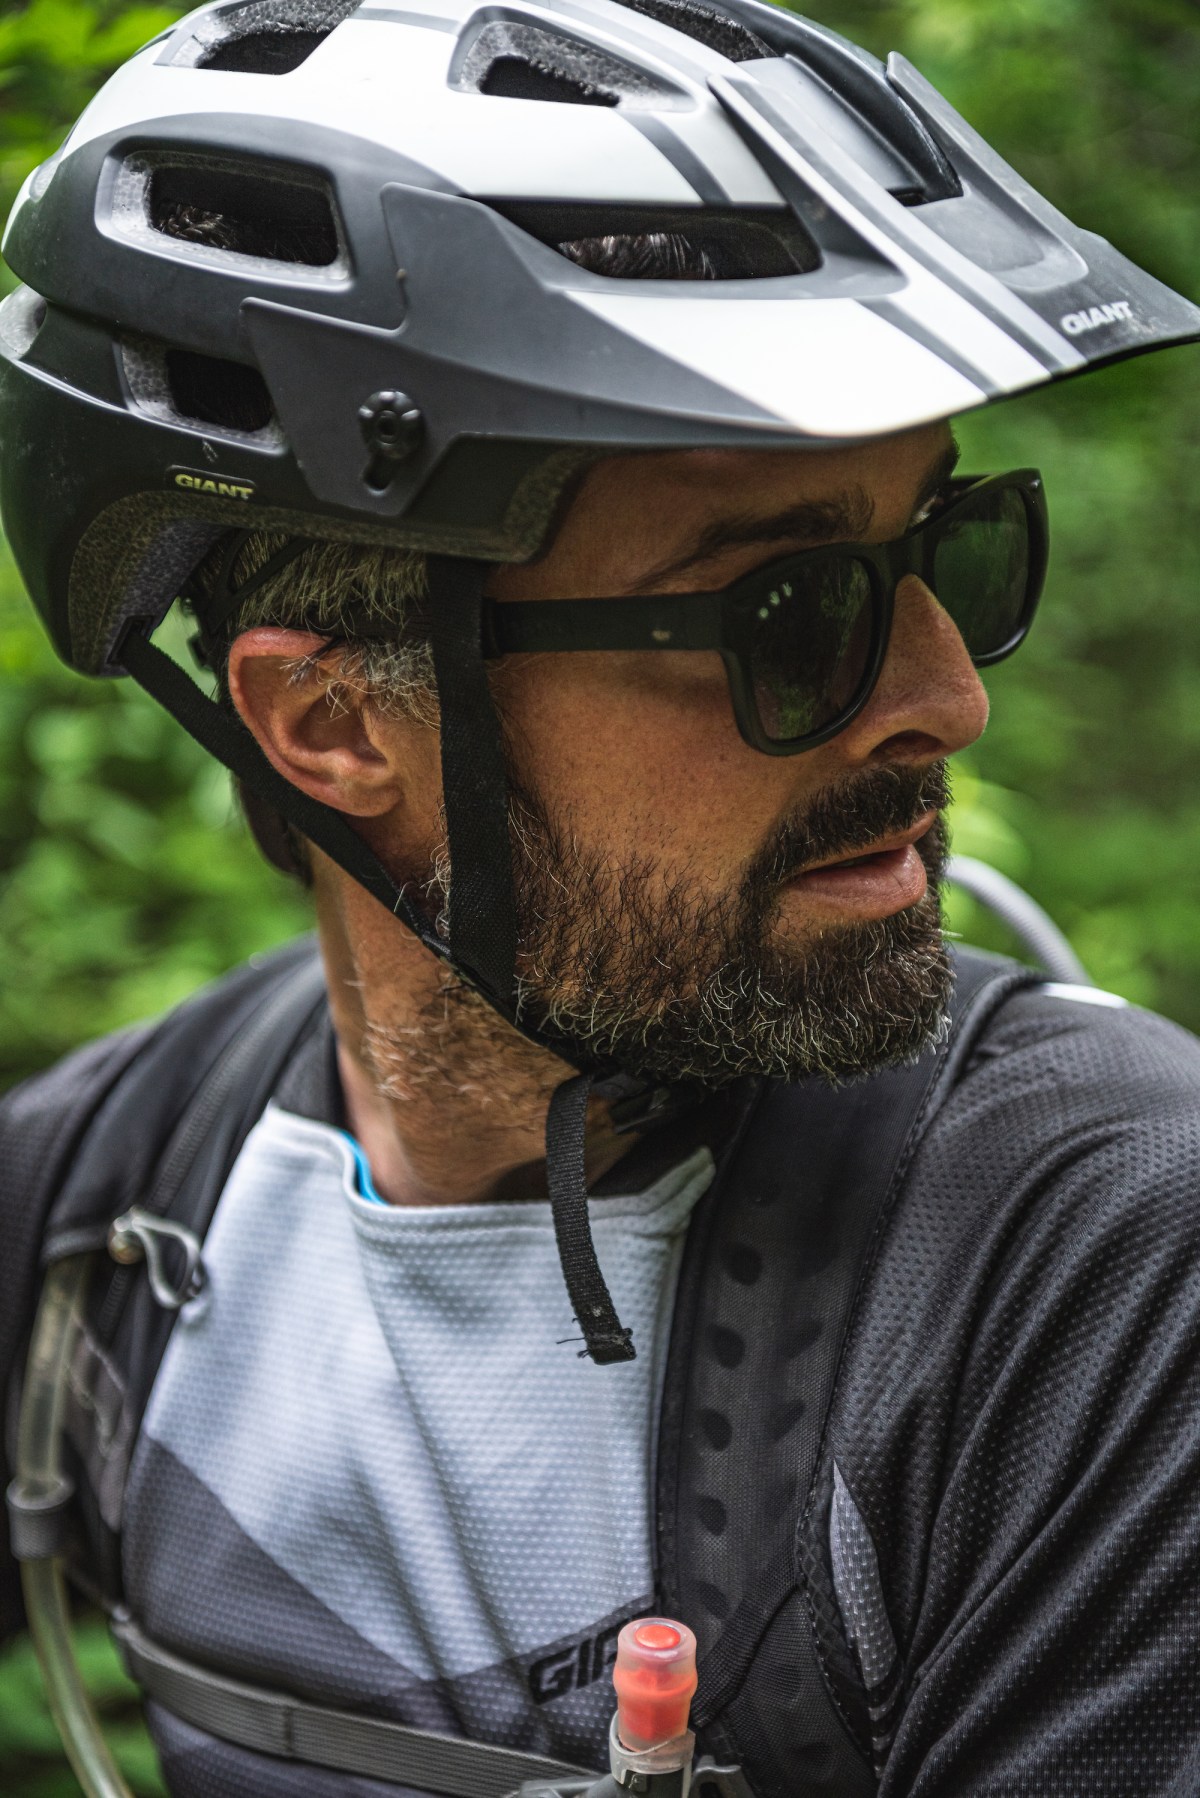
x=275 y=1723
x=604 y=1334
x=483 y=923
x=785 y=1232
x=226 y=738
x=483 y=930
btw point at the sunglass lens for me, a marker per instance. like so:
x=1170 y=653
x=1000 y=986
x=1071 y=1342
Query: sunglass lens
x=811 y=645
x=981 y=569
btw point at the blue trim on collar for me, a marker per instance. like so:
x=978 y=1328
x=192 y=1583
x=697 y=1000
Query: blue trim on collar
x=362 y=1170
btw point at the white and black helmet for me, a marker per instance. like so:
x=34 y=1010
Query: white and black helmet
x=407 y=202
x=376 y=272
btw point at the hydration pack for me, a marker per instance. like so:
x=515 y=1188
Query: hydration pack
x=118 y=1158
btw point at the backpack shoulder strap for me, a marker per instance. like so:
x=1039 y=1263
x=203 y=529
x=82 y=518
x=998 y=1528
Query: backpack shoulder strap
x=159 y=1141
x=774 y=1260
x=188 y=1101
x=42 y=1122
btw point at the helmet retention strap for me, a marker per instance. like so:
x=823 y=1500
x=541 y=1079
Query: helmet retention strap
x=482 y=902
x=483 y=921
x=483 y=918
x=224 y=736
x=605 y=1337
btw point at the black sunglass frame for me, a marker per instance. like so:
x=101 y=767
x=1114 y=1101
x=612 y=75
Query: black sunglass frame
x=724 y=619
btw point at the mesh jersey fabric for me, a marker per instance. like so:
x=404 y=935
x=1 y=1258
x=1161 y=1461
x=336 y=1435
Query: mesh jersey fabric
x=1015 y=1425
x=369 y=1473
x=1013 y=1428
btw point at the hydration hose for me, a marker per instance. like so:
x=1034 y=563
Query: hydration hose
x=37 y=1504
x=1033 y=928
x=650 y=1745
x=40 y=1495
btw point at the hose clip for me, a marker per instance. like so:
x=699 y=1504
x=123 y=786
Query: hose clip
x=141 y=1235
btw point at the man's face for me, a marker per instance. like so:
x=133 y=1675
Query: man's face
x=670 y=912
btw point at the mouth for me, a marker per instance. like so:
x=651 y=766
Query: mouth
x=870 y=883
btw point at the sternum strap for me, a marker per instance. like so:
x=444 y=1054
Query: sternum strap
x=275 y=1723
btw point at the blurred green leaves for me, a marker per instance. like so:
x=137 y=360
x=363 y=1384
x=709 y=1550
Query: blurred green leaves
x=53 y=56
x=31 y=1759
x=128 y=877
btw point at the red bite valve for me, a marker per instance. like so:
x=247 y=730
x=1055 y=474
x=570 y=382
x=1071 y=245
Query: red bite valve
x=655 y=1678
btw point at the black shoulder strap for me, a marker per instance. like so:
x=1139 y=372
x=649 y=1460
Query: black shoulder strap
x=42 y=1122
x=81 y=1142
x=161 y=1146
x=188 y=1101
x=773 y=1262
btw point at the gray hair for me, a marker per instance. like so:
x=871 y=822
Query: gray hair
x=332 y=588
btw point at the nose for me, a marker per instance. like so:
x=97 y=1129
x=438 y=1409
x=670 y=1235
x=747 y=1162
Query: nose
x=929 y=701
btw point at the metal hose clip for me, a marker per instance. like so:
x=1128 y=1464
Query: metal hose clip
x=139 y=1235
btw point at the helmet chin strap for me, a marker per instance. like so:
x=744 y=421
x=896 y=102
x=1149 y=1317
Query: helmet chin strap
x=483 y=919
x=482 y=945
x=483 y=911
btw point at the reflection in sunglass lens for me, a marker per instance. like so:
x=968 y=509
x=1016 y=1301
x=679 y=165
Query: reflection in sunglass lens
x=981 y=568
x=811 y=645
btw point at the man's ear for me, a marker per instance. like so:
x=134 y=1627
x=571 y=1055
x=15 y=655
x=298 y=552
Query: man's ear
x=320 y=735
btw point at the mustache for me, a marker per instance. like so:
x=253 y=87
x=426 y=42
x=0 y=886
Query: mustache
x=846 y=819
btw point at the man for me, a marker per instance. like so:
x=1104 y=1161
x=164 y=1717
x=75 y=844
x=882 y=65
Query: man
x=615 y=636
x=687 y=902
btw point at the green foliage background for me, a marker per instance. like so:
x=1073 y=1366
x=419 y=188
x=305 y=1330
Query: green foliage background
x=127 y=879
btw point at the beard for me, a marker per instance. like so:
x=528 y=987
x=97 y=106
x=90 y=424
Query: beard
x=631 y=967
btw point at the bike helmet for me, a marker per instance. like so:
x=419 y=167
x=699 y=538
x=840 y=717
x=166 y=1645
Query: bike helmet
x=395 y=337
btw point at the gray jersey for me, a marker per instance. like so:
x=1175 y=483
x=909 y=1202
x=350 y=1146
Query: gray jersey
x=374 y=1468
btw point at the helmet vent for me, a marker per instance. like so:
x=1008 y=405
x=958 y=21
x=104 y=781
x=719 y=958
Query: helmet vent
x=282 y=217
x=715 y=30
x=214 y=392
x=22 y=316
x=262 y=37
x=516 y=59
x=512 y=78
x=638 y=243
x=263 y=52
x=179 y=386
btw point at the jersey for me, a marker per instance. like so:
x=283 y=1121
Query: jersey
x=375 y=1462
x=1009 y=1511
x=997 y=1555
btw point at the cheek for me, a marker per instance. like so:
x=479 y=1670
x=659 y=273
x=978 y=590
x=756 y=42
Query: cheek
x=643 y=755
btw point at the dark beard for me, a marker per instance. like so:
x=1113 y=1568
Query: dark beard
x=625 y=970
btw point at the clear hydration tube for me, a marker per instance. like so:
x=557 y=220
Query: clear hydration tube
x=41 y=1483
x=1033 y=928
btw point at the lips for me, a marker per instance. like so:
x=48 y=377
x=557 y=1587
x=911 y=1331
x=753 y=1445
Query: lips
x=871 y=883
x=881 y=847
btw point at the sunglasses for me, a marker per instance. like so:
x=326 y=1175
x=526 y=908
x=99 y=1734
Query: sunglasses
x=804 y=639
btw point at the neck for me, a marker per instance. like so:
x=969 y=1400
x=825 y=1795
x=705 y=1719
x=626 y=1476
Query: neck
x=447 y=1101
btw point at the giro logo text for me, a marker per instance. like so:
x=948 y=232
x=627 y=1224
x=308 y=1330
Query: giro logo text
x=221 y=486
x=1076 y=323
x=568 y=1669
